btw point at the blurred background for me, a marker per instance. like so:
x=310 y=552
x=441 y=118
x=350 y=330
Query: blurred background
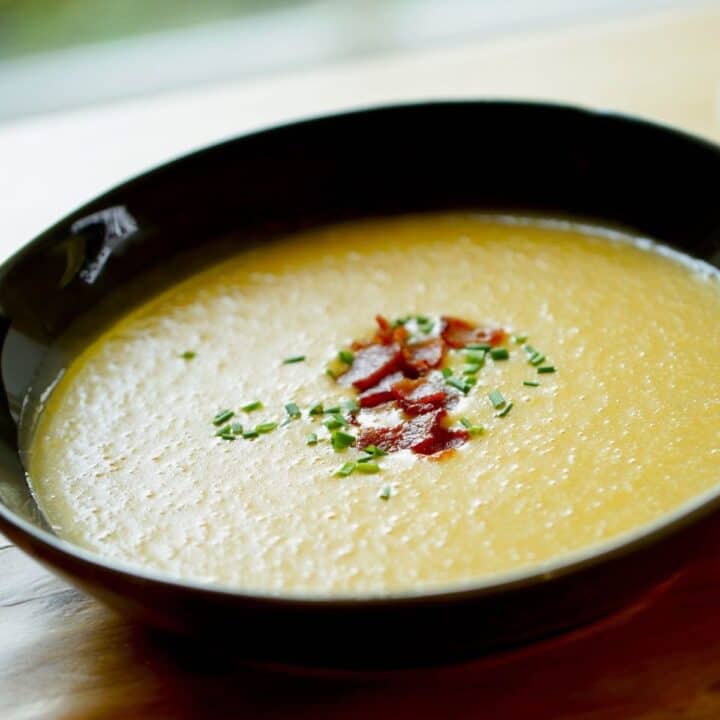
x=61 y=54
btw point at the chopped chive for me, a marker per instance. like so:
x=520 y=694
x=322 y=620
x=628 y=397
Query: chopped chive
x=346 y=357
x=237 y=428
x=293 y=359
x=496 y=398
x=311 y=439
x=267 y=427
x=462 y=385
x=347 y=469
x=332 y=410
x=529 y=349
x=505 y=410
x=334 y=423
x=546 y=369
x=188 y=355
x=519 y=339
x=222 y=416
x=472 y=368
x=423 y=320
x=531 y=383
x=341 y=440
x=330 y=373
x=385 y=493
x=250 y=434
x=365 y=459
x=446 y=372
x=475 y=356
x=471 y=428
x=499 y=354
x=293 y=411
x=223 y=430
x=479 y=346
x=351 y=406
x=254 y=405
x=368 y=468
x=226 y=436
x=400 y=321
x=316 y=409
x=374 y=451
x=536 y=358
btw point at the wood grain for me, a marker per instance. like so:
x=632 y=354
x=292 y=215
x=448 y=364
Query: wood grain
x=63 y=656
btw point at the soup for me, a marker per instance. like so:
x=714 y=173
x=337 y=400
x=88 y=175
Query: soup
x=390 y=405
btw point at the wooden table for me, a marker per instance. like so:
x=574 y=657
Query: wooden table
x=62 y=655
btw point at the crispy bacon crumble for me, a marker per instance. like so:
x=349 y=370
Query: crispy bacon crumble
x=395 y=369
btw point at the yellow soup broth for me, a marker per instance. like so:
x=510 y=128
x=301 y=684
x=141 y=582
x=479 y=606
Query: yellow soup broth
x=125 y=460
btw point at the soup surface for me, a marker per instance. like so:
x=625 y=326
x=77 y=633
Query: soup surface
x=611 y=423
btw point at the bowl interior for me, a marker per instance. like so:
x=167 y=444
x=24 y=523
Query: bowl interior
x=496 y=157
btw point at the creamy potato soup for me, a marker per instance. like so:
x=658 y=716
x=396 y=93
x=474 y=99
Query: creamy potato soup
x=390 y=405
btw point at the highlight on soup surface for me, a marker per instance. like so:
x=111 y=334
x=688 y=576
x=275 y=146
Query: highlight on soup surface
x=390 y=405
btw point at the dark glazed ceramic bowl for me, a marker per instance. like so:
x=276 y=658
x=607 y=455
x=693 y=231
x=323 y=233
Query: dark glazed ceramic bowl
x=483 y=155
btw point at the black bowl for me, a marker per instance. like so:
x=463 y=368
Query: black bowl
x=483 y=155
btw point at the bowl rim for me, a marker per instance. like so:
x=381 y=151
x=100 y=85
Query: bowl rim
x=627 y=543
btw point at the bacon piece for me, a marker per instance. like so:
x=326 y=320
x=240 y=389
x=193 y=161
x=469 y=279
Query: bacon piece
x=381 y=393
x=421 y=357
x=420 y=396
x=423 y=434
x=458 y=333
x=386 y=334
x=371 y=365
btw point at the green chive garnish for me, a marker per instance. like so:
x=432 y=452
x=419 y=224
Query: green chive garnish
x=531 y=383
x=267 y=427
x=347 y=469
x=237 y=428
x=293 y=359
x=254 y=405
x=188 y=355
x=546 y=369
x=311 y=439
x=316 y=409
x=446 y=372
x=475 y=356
x=479 y=346
x=334 y=423
x=330 y=373
x=333 y=410
x=536 y=358
x=471 y=369
x=462 y=385
x=223 y=430
x=519 y=339
x=250 y=434
x=499 y=354
x=341 y=440
x=346 y=357
x=374 y=451
x=385 y=493
x=472 y=429
x=505 y=410
x=293 y=411
x=368 y=468
x=496 y=398
x=222 y=416
x=226 y=436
